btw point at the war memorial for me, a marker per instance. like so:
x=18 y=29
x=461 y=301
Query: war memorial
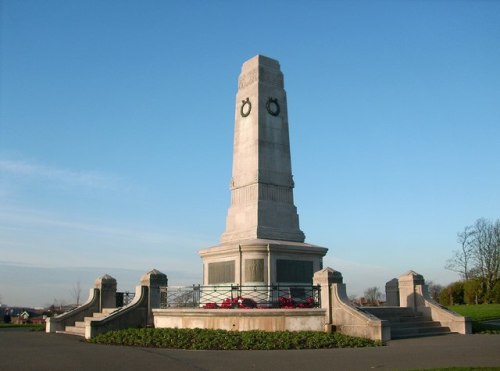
x=262 y=275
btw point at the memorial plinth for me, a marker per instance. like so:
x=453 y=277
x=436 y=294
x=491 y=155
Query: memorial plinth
x=262 y=243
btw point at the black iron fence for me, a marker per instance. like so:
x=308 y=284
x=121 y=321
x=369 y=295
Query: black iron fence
x=236 y=296
x=124 y=298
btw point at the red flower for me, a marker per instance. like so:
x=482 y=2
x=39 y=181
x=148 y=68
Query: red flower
x=286 y=303
x=211 y=306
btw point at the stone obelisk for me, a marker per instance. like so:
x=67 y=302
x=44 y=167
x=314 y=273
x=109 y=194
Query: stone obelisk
x=262 y=242
x=262 y=184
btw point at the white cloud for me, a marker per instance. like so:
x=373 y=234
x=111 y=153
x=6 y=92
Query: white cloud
x=17 y=218
x=90 y=179
x=32 y=236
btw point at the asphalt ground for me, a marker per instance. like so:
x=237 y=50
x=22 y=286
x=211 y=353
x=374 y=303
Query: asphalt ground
x=24 y=350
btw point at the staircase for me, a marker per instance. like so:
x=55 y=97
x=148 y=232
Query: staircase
x=405 y=323
x=79 y=327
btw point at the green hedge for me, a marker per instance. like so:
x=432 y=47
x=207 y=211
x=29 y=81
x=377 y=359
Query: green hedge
x=31 y=326
x=229 y=340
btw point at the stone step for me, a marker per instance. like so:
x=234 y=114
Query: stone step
x=73 y=330
x=418 y=324
x=389 y=312
x=107 y=311
x=419 y=331
x=418 y=318
x=405 y=323
x=97 y=315
x=79 y=324
x=405 y=319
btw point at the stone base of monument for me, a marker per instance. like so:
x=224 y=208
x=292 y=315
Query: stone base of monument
x=241 y=319
x=259 y=261
x=413 y=312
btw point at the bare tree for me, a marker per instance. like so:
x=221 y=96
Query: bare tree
x=434 y=290
x=57 y=306
x=373 y=295
x=353 y=298
x=462 y=259
x=76 y=292
x=479 y=256
x=487 y=253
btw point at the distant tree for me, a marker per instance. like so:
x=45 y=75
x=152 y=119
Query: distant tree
x=479 y=257
x=57 y=306
x=487 y=254
x=496 y=293
x=434 y=290
x=76 y=292
x=353 y=298
x=473 y=291
x=373 y=295
x=452 y=294
x=462 y=258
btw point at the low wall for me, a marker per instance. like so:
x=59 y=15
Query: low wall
x=59 y=323
x=429 y=308
x=133 y=315
x=349 y=320
x=241 y=319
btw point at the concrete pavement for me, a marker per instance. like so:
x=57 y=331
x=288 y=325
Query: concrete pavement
x=24 y=350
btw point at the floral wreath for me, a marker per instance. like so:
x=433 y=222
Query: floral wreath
x=244 y=103
x=272 y=112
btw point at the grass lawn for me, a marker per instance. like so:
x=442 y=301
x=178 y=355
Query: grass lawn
x=479 y=312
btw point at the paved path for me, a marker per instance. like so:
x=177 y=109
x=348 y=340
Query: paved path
x=23 y=350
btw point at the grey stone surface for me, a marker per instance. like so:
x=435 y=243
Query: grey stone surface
x=392 y=293
x=26 y=351
x=262 y=184
x=268 y=250
x=107 y=285
x=254 y=270
x=262 y=222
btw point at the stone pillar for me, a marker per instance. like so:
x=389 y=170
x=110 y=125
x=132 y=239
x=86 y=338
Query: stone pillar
x=408 y=283
x=325 y=278
x=107 y=287
x=154 y=280
x=262 y=205
x=392 y=293
x=262 y=224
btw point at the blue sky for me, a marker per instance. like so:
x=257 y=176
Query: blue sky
x=117 y=122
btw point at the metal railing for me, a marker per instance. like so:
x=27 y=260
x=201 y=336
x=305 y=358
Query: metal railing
x=236 y=296
x=124 y=298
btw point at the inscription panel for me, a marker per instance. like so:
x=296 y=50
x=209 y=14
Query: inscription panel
x=298 y=271
x=269 y=77
x=248 y=78
x=276 y=193
x=244 y=195
x=221 y=272
x=269 y=192
x=254 y=270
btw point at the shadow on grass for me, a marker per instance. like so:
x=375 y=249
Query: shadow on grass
x=485 y=328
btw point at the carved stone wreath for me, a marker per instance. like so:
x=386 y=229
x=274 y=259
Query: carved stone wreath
x=272 y=106
x=245 y=111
